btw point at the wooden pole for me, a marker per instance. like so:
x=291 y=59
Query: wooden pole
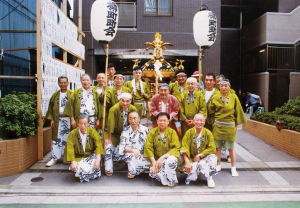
x=39 y=78
x=156 y=80
x=200 y=65
x=104 y=94
x=65 y=53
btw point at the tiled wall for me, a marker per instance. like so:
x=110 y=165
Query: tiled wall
x=286 y=140
x=17 y=155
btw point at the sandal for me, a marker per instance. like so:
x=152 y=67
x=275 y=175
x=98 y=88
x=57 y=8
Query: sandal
x=130 y=176
x=229 y=160
x=108 y=174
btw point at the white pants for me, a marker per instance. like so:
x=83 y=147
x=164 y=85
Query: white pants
x=58 y=146
x=135 y=165
x=167 y=172
x=207 y=166
x=111 y=156
x=86 y=170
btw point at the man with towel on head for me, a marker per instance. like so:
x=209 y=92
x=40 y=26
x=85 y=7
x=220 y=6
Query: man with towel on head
x=117 y=121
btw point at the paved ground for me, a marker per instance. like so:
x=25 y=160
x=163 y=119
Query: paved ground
x=265 y=174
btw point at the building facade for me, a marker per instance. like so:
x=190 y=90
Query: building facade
x=257 y=45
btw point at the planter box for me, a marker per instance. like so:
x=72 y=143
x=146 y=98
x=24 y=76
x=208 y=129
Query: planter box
x=17 y=155
x=286 y=140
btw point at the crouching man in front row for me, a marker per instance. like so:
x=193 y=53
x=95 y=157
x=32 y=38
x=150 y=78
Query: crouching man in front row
x=198 y=151
x=162 y=148
x=132 y=142
x=84 y=150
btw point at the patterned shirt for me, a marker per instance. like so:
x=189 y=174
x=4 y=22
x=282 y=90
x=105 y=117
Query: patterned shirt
x=132 y=140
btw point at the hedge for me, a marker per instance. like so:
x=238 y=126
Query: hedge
x=289 y=112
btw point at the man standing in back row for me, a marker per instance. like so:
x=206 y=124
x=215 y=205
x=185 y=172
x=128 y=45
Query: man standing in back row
x=111 y=73
x=84 y=101
x=209 y=93
x=191 y=103
x=60 y=123
x=140 y=93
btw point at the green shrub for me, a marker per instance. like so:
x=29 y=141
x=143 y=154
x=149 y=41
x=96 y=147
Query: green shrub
x=292 y=107
x=18 y=115
x=292 y=122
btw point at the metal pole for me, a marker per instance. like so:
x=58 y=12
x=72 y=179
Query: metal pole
x=16 y=77
x=104 y=94
x=200 y=58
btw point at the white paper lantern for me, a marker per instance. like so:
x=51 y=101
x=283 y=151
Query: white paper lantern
x=104 y=20
x=205 y=27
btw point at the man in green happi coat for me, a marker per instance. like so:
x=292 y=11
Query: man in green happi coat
x=228 y=114
x=162 y=148
x=219 y=78
x=209 y=92
x=140 y=92
x=112 y=95
x=99 y=88
x=191 y=103
x=198 y=151
x=84 y=149
x=60 y=123
x=179 y=87
x=84 y=101
x=117 y=120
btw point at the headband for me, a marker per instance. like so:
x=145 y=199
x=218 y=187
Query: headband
x=224 y=81
x=164 y=85
x=125 y=95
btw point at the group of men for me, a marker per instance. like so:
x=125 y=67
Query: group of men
x=187 y=134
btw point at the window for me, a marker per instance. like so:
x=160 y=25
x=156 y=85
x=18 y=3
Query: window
x=127 y=13
x=158 y=7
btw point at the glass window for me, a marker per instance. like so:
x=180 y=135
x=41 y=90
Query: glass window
x=158 y=7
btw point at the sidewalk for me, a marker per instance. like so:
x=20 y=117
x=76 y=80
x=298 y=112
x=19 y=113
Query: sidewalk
x=265 y=174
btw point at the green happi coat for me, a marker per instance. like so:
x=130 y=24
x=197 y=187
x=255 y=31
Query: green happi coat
x=189 y=109
x=53 y=111
x=72 y=108
x=156 y=146
x=112 y=96
x=209 y=120
x=115 y=122
x=74 y=148
x=228 y=111
x=101 y=105
x=138 y=95
x=175 y=90
x=189 y=143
